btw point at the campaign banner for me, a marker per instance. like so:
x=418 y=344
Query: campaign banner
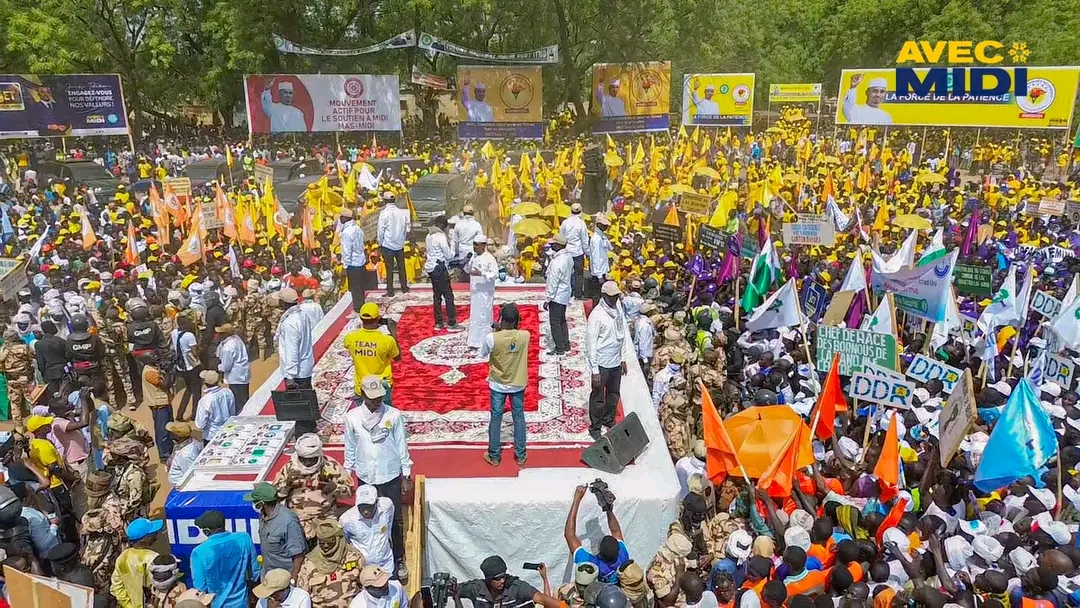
x=712 y=238
x=974 y=280
x=876 y=370
x=1061 y=370
x=667 y=232
x=695 y=204
x=870 y=97
x=60 y=105
x=922 y=291
x=795 y=93
x=718 y=100
x=857 y=348
x=403 y=40
x=889 y=392
x=956 y=418
x=433 y=44
x=496 y=102
x=1052 y=206
x=810 y=233
x=631 y=97
x=925 y=369
x=815 y=299
x=313 y=103
x=1045 y=304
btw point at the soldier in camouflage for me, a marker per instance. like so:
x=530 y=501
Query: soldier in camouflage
x=166 y=585
x=331 y=571
x=101 y=546
x=254 y=318
x=664 y=570
x=270 y=323
x=311 y=483
x=133 y=487
x=116 y=349
x=674 y=414
x=119 y=427
x=573 y=593
x=17 y=363
x=233 y=305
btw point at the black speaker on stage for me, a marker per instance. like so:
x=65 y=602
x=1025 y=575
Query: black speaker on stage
x=300 y=406
x=614 y=450
x=594 y=185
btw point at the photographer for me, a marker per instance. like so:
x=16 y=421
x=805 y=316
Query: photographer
x=612 y=552
x=507 y=350
x=500 y=590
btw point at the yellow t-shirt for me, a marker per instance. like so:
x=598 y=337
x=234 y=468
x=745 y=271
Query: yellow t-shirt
x=372 y=353
x=44 y=455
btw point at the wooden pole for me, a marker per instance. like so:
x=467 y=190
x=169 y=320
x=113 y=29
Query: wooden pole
x=693 y=285
x=921 y=147
x=1059 y=484
x=866 y=431
x=738 y=309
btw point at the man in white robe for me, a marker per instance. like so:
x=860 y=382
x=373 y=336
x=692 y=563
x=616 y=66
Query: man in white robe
x=483 y=270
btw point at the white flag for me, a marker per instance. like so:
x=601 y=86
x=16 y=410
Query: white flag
x=1002 y=310
x=855 y=279
x=935 y=251
x=1074 y=289
x=952 y=322
x=1023 y=299
x=882 y=321
x=902 y=259
x=780 y=310
x=839 y=218
x=1066 y=325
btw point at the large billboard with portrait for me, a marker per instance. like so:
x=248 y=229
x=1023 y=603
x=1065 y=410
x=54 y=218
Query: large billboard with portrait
x=500 y=102
x=59 y=105
x=718 y=100
x=312 y=103
x=631 y=97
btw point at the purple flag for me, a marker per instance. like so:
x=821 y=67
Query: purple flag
x=856 y=310
x=732 y=259
x=970 y=234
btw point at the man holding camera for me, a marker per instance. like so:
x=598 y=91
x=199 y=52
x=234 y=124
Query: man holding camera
x=612 y=552
x=500 y=590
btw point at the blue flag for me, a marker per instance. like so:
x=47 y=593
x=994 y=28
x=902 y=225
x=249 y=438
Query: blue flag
x=1022 y=441
x=6 y=230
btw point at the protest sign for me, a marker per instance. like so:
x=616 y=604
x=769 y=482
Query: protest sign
x=974 y=280
x=712 y=238
x=889 y=392
x=1072 y=211
x=631 y=97
x=876 y=370
x=856 y=348
x=795 y=93
x=810 y=233
x=1045 y=304
x=500 y=102
x=369 y=224
x=718 y=100
x=13 y=277
x=695 y=204
x=1059 y=369
x=263 y=173
x=311 y=103
x=838 y=307
x=750 y=247
x=58 y=105
x=924 y=369
x=922 y=291
x=667 y=232
x=814 y=300
x=956 y=418
x=1051 y=206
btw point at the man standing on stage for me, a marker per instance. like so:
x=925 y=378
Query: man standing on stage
x=507 y=350
x=559 y=272
x=296 y=354
x=483 y=270
x=599 y=261
x=436 y=267
x=394 y=226
x=353 y=256
x=577 y=241
x=605 y=338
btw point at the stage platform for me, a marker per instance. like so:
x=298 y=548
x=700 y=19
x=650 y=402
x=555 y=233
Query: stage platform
x=473 y=509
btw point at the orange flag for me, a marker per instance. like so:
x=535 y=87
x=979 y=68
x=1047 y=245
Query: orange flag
x=173 y=206
x=226 y=213
x=829 y=189
x=131 y=252
x=720 y=456
x=88 y=236
x=830 y=400
x=246 y=225
x=191 y=250
x=778 y=479
x=887 y=469
x=892 y=518
x=160 y=215
x=307 y=232
x=672 y=217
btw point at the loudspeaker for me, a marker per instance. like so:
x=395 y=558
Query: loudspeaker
x=613 y=451
x=300 y=406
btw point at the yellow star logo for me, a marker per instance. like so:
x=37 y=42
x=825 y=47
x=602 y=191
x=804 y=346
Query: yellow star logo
x=1019 y=52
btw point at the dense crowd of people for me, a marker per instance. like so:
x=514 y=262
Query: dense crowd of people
x=131 y=301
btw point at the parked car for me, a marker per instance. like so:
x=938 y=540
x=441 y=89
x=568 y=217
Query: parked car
x=291 y=192
x=202 y=172
x=441 y=194
x=392 y=166
x=78 y=172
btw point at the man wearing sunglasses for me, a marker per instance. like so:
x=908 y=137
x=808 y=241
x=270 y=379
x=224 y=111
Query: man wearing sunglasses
x=500 y=590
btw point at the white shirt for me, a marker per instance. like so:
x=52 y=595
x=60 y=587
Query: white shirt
x=479 y=111
x=282 y=117
x=611 y=106
x=182 y=461
x=296 y=357
x=705 y=107
x=187 y=342
x=644 y=337
x=233 y=360
x=685 y=467
x=661 y=383
x=438 y=250
x=381 y=454
x=576 y=233
x=298 y=598
x=313 y=311
x=394 y=225
x=352 y=245
x=489 y=271
x=466 y=229
x=559 y=272
x=602 y=346
x=861 y=114
x=599 y=248
x=395 y=598
x=216 y=405
x=371 y=537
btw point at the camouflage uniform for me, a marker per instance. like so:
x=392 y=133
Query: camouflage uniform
x=271 y=317
x=101 y=546
x=674 y=414
x=662 y=576
x=254 y=321
x=716 y=531
x=121 y=427
x=133 y=487
x=116 y=350
x=336 y=589
x=572 y=595
x=712 y=379
x=168 y=599
x=17 y=363
x=304 y=494
x=234 y=312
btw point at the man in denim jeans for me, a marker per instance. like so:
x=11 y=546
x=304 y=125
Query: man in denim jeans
x=507 y=350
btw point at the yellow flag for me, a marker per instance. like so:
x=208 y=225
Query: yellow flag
x=682 y=132
x=488 y=150
x=611 y=143
x=639 y=154
x=268 y=206
x=228 y=156
x=349 y=188
x=697 y=135
x=723 y=207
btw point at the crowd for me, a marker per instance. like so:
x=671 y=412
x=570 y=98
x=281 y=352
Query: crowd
x=133 y=302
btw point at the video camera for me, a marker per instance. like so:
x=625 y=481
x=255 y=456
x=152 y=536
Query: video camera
x=442 y=583
x=604 y=496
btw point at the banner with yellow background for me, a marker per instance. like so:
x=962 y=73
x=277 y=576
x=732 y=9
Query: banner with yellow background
x=500 y=102
x=795 y=93
x=869 y=97
x=718 y=100
x=631 y=97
